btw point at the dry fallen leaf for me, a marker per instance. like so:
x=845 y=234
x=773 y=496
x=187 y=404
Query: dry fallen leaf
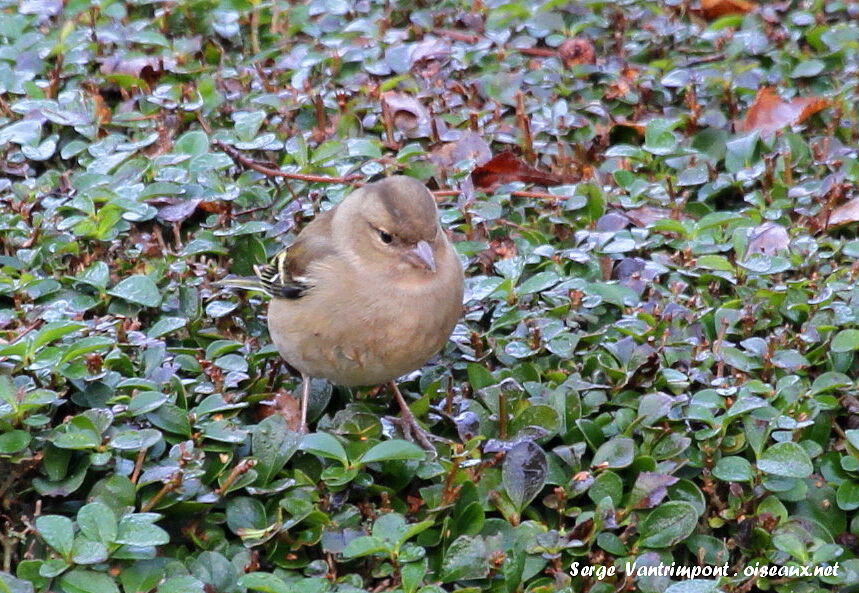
x=179 y=209
x=769 y=113
x=768 y=238
x=282 y=403
x=147 y=68
x=636 y=127
x=576 y=50
x=714 y=9
x=409 y=114
x=845 y=213
x=646 y=215
x=506 y=167
x=470 y=145
x=622 y=85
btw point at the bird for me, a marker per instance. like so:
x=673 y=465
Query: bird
x=368 y=292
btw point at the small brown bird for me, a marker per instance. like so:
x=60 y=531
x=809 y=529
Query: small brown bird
x=368 y=292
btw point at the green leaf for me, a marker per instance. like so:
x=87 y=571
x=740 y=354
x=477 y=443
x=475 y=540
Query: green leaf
x=479 y=377
x=365 y=545
x=395 y=449
x=143 y=575
x=244 y=513
x=53 y=331
x=145 y=402
x=390 y=527
x=658 y=136
x=466 y=559
x=86 y=551
x=98 y=522
x=58 y=532
x=412 y=574
x=324 y=445
x=848 y=496
x=182 y=584
x=135 y=440
x=608 y=484
x=14 y=441
x=846 y=340
x=195 y=142
x=138 y=289
x=137 y=530
x=523 y=473
x=808 y=69
x=87 y=581
x=694 y=586
x=788 y=460
x=733 y=469
x=273 y=445
x=10 y=584
x=264 y=582
x=166 y=325
x=668 y=524
x=615 y=453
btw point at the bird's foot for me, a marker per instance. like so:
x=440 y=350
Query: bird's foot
x=413 y=431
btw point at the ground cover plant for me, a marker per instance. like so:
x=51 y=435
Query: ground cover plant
x=655 y=204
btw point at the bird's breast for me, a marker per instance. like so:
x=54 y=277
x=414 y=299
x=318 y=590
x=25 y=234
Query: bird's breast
x=364 y=334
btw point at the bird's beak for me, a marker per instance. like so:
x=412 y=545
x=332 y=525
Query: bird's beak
x=421 y=256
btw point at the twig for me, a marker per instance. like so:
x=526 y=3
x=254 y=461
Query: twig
x=536 y=194
x=251 y=210
x=704 y=60
x=525 y=128
x=241 y=468
x=540 y=52
x=8 y=546
x=27 y=330
x=170 y=485
x=244 y=161
x=141 y=455
x=457 y=35
x=520 y=193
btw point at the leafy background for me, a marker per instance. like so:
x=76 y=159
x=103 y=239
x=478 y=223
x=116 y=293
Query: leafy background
x=657 y=357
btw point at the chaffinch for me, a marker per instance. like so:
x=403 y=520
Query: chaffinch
x=368 y=292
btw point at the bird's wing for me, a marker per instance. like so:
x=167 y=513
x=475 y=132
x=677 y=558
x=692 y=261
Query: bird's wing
x=288 y=275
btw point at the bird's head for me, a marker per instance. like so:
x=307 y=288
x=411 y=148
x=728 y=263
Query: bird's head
x=394 y=225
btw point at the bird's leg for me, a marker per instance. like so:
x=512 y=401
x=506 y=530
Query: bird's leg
x=410 y=425
x=305 y=397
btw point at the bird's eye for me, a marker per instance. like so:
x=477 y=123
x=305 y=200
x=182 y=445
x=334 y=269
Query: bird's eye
x=387 y=238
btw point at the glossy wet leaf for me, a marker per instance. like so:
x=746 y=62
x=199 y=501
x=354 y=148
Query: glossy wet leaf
x=57 y=531
x=138 y=289
x=787 y=460
x=615 y=453
x=524 y=473
x=393 y=450
x=668 y=524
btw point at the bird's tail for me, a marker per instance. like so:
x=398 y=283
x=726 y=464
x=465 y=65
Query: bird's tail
x=243 y=283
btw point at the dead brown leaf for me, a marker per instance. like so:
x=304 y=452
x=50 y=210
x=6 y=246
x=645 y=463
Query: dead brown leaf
x=505 y=167
x=282 y=403
x=409 y=114
x=470 y=145
x=623 y=85
x=714 y=9
x=769 y=113
x=147 y=68
x=576 y=50
x=768 y=238
x=845 y=213
x=646 y=215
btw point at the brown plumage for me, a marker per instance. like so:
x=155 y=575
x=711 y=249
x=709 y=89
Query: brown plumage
x=369 y=291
